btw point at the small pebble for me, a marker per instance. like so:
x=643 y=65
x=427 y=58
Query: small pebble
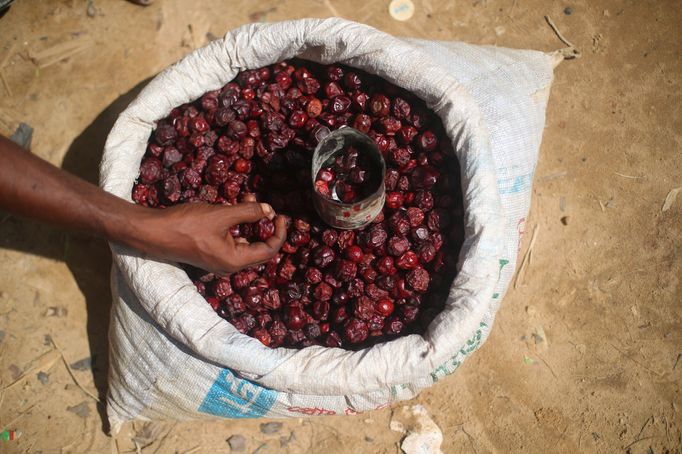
x=564 y=220
x=568 y=11
x=82 y=409
x=56 y=311
x=43 y=377
x=2 y=336
x=237 y=443
x=369 y=439
x=84 y=364
x=270 y=427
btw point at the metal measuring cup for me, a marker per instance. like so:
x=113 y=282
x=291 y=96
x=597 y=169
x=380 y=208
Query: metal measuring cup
x=341 y=215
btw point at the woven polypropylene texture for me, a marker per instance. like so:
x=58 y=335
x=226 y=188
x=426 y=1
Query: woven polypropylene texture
x=492 y=103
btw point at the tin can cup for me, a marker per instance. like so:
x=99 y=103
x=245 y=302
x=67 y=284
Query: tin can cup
x=348 y=216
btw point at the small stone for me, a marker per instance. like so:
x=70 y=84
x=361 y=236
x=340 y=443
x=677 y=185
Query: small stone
x=270 y=427
x=84 y=364
x=568 y=11
x=56 y=311
x=369 y=439
x=564 y=220
x=82 y=409
x=47 y=339
x=2 y=335
x=396 y=426
x=237 y=443
x=43 y=377
x=23 y=135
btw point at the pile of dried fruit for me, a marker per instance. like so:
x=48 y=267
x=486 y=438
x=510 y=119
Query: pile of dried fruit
x=350 y=177
x=337 y=288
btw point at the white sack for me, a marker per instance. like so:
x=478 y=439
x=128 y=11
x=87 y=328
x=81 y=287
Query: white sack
x=173 y=357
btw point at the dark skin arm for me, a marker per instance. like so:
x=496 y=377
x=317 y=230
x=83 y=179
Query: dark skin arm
x=196 y=233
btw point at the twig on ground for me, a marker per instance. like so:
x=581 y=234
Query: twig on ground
x=571 y=51
x=633 y=177
x=637 y=441
x=17 y=418
x=635 y=361
x=670 y=198
x=40 y=365
x=5 y=83
x=526 y=257
x=68 y=368
x=558 y=33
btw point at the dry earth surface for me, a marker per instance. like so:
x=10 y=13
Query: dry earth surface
x=586 y=353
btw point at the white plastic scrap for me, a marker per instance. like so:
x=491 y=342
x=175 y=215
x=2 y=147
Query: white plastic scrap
x=423 y=434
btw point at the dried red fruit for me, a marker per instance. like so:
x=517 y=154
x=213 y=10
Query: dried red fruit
x=419 y=279
x=363 y=308
x=345 y=270
x=399 y=156
x=323 y=292
x=151 y=170
x=408 y=261
x=356 y=331
x=354 y=253
x=323 y=256
x=427 y=141
x=379 y=105
x=294 y=317
x=394 y=200
x=384 y=307
x=265 y=228
x=397 y=245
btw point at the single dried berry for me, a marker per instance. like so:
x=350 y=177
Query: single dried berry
x=313 y=275
x=354 y=253
x=363 y=308
x=323 y=292
x=265 y=228
x=356 y=331
x=323 y=256
x=271 y=299
x=379 y=105
x=165 y=134
x=399 y=223
x=384 y=307
x=427 y=141
x=409 y=312
x=345 y=270
x=394 y=200
x=262 y=335
x=397 y=245
x=427 y=252
x=294 y=317
x=418 y=279
x=408 y=261
x=399 y=156
x=151 y=170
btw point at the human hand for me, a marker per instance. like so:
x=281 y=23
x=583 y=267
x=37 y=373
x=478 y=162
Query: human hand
x=198 y=234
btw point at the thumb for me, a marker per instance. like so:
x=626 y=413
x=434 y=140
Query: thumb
x=251 y=212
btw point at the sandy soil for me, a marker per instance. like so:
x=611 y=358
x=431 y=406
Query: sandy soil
x=602 y=290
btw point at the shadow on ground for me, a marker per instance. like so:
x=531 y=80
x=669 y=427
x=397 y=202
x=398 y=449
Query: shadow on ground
x=88 y=259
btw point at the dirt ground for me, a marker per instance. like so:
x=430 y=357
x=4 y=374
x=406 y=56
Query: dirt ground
x=586 y=353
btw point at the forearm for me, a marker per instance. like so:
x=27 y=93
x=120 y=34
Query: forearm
x=33 y=188
x=194 y=233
